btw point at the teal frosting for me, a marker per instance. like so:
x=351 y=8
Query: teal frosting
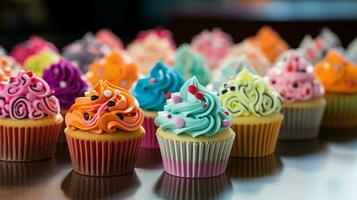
x=189 y=64
x=186 y=113
x=152 y=91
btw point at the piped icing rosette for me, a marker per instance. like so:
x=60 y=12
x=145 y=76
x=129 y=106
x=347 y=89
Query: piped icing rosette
x=213 y=46
x=38 y=62
x=188 y=63
x=27 y=97
x=115 y=67
x=30 y=47
x=249 y=94
x=194 y=111
x=160 y=32
x=108 y=37
x=105 y=109
x=153 y=90
x=85 y=50
x=336 y=73
x=66 y=81
x=294 y=78
x=8 y=67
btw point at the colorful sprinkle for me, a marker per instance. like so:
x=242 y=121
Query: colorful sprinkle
x=117 y=92
x=225 y=123
x=86 y=116
x=152 y=80
x=30 y=96
x=204 y=105
x=94 y=97
x=199 y=95
x=111 y=103
x=176 y=99
x=227 y=113
x=108 y=93
x=179 y=122
x=169 y=116
x=63 y=84
x=29 y=73
x=192 y=89
x=168 y=95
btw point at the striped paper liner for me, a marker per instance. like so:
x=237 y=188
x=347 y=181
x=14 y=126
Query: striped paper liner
x=149 y=140
x=195 y=159
x=103 y=158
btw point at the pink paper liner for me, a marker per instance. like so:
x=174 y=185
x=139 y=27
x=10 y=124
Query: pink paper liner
x=103 y=158
x=149 y=140
x=28 y=143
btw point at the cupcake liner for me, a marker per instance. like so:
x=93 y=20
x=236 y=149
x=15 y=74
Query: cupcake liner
x=255 y=140
x=301 y=123
x=195 y=159
x=28 y=143
x=149 y=140
x=103 y=158
x=341 y=111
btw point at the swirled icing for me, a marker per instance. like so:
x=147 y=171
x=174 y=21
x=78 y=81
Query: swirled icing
x=105 y=109
x=115 y=67
x=196 y=111
x=336 y=73
x=293 y=77
x=188 y=63
x=66 y=81
x=213 y=46
x=27 y=96
x=38 y=62
x=108 y=37
x=153 y=90
x=249 y=94
x=160 y=32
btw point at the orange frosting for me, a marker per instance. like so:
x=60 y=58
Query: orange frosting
x=270 y=42
x=5 y=69
x=115 y=67
x=107 y=108
x=336 y=73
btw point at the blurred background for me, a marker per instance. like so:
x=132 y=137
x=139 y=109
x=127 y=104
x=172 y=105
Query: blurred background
x=62 y=21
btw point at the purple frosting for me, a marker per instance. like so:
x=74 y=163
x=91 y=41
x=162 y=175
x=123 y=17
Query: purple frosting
x=65 y=79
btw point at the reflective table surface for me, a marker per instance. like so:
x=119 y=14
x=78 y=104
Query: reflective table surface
x=325 y=168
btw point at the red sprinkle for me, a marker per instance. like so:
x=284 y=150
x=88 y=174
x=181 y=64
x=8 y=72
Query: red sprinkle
x=152 y=80
x=169 y=116
x=225 y=112
x=29 y=73
x=192 y=89
x=12 y=78
x=204 y=105
x=290 y=68
x=199 y=95
x=168 y=95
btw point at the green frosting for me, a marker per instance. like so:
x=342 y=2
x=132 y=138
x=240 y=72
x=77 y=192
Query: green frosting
x=189 y=64
x=249 y=94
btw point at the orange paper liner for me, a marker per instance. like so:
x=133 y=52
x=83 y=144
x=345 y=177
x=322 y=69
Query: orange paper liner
x=255 y=140
x=103 y=158
x=28 y=143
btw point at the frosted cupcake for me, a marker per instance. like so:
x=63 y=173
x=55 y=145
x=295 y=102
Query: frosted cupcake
x=194 y=135
x=255 y=108
x=106 y=36
x=38 y=62
x=212 y=45
x=30 y=122
x=304 y=104
x=188 y=63
x=66 y=81
x=115 y=67
x=338 y=76
x=31 y=47
x=152 y=92
x=104 y=131
x=150 y=47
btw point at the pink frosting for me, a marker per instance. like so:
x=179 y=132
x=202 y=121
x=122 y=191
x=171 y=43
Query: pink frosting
x=160 y=32
x=214 y=46
x=294 y=79
x=108 y=37
x=27 y=96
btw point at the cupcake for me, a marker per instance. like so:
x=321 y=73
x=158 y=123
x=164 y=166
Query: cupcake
x=150 y=47
x=188 y=63
x=2 y=51
x=338 y=76
x=5 y=69
x=194 y=135
x=270 y=42
x=152 y=92
x=304 y=105
x=66 y=81
x=31 y=47
x=352 y=50
x=255 y=108
x=212 y=45
x=30 y=122
x=106 y=36
x=38 y=62
x=104 y=131
x=85 y=50
x=115 y=67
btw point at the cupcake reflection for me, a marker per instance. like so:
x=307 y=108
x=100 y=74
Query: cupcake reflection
x=299 y=148
x=175 y=188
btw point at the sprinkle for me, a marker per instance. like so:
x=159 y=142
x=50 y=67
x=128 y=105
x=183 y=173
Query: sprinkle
x=152 y=80
x=168 y=95
x=290 y=68
x=30 y=96
x=94 y=97
x=120 y=116
x=117 y=92
x=192 y=89
x=199 y=95
x=225 y=123
x=169 y=116
x=107 y=93
x=176 y=99
x=225 y=112
x=111 y=103
x=204 y=105
x=63 y=84
x=179 y=122
x=12 y=79
x=86 y=116
x=29 y=73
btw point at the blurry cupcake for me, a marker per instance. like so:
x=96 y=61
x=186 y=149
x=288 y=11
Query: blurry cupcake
x=8 y=68
x=255 y=108
x=66 y=81
x=2 y=51
x=30 y=122
x=38 y=62
x=338 y=76
x=304 y=104
x=152 y=92
x=188 y=63
x=85 y=50
x=194 y=135
x=270 y=42
x=31 y=47
x=150 y=47
x=104 y=131
x=115 y=67
x=212 y=45
x=108 y=37
x=352 y=50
